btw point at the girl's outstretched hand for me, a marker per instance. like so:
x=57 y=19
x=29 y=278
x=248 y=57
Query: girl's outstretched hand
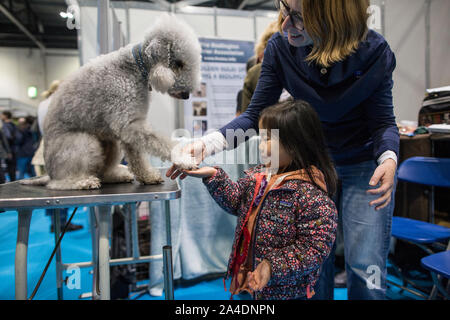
x=204 y=172
x=196 y=150
x=259 y=278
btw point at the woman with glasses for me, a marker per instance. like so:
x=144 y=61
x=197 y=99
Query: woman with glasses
x=325 y=54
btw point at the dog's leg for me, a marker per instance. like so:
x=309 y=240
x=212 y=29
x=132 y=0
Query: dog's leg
x=139 y=135
x=140 y=165
x=73 y=161
x=114 y=172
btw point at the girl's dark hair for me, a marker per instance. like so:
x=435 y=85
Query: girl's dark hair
x=301 y=135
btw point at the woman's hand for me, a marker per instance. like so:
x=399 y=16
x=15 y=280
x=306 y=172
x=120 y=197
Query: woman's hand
x=195 y=150
x=385 y=174
x=259 y=278
x=204 y=172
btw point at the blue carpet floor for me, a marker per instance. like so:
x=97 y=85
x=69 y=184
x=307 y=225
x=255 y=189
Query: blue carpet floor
x=76 y=247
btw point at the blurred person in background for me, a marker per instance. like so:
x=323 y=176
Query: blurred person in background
x=5 y=154
x=251 y=80
x=9 y=130
x=25 y=149
x=250 y=63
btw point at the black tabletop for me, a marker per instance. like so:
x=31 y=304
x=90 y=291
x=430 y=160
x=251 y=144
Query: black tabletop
x=14 y=195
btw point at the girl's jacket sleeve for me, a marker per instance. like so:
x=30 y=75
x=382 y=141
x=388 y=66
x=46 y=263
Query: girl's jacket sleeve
x=316 y=220
x=225 y=192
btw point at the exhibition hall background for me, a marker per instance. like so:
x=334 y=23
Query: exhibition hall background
x=404 y=28
x=418 y=32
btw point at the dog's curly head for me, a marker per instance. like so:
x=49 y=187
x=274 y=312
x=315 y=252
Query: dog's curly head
x=174 y=55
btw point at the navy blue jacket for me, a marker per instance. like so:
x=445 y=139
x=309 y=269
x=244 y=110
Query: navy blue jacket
x=353 y=98
x=24 y=143
x=9 y=130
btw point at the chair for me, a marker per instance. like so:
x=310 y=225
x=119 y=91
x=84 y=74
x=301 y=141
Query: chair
x=433 y=172
x=439 y=266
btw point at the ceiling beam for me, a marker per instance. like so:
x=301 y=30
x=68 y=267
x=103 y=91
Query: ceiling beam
x=185 y=3
x=47 y=3
x=243 y=4
x=24 y=29
x=164 y=3
x=256 y=5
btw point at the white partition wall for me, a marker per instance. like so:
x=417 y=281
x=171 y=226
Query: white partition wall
x=140 y=21
x=405 y=25
x=202 y=24
x=60 y=64
x=236 y=28
x=439 y=43
x=405 y=32
x=87 y=33
x=24 y=67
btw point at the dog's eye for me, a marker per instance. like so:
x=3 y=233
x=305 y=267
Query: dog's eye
x=178 y=64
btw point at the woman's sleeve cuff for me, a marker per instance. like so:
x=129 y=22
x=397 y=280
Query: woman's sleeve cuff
x=387 y=155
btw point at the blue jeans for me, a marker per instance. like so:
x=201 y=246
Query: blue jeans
x=366 y=234
x=24 y=166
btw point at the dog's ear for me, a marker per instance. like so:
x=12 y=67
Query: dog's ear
x=161 y=78
x=152 y=51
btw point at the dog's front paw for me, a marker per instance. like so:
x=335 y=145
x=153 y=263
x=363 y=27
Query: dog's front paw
x=185 y=162
x=182 y=159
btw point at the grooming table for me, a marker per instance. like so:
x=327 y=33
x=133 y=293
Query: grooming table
x=24 y=199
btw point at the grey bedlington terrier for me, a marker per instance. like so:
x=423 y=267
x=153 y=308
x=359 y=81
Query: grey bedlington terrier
x=100 y=111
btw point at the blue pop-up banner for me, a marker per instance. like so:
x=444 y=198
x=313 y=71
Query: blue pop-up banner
x=223 y=72
x=231 y=51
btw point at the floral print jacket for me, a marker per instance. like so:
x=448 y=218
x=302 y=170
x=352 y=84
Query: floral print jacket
x=294 y=230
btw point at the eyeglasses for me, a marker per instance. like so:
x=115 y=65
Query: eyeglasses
x=295 y=16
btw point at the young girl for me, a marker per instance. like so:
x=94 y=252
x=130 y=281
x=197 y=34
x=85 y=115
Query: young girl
x=286 y=220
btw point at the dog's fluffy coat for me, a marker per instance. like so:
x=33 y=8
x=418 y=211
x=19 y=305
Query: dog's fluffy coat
x=100 y=111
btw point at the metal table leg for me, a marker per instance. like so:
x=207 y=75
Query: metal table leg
x=127 y=226
x=103 y=251
x=168 y=272
x=168 y=228
x=134 y=230
x=131 y=238
x=94 y=237
x=23 y=232
x=133 y=223
x=57 y=228
x=167 y=256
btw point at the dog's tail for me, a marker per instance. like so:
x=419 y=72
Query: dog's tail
x=38 y=181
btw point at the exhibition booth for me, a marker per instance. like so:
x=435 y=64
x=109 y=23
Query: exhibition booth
x=156 y=236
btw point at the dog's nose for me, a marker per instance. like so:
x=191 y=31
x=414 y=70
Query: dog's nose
x=185 y=95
